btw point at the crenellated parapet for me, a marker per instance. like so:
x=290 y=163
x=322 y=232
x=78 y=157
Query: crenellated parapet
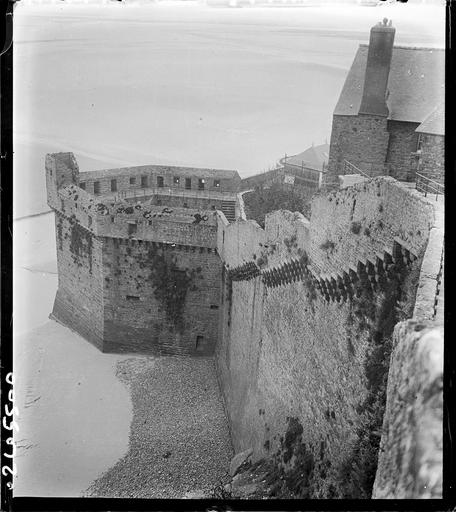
x=120 y=219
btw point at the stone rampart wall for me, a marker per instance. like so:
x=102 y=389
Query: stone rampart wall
x=410 y=457
x=159 y=298
x=79 y=300
x=150 y=222
x=293 y=342
x=129 y=178
x=360 y=222
x=411 y=450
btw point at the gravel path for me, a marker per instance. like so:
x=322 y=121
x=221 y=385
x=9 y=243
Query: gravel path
x=179 y=439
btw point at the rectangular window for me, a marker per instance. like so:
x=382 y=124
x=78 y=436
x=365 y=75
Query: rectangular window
x=82 y=185
x=176 y=180
x=112 y=220
x=132 y=180
x=217 y=183
x=132 y=297
x=113 y=185
x=199 y=343
x=419 y=144
x=214 y=306
x=160 y=181
x=132 y=229
x=96 y=187
x=201 y=184
x=90 y=220
x=144 y=181
x=188 y=183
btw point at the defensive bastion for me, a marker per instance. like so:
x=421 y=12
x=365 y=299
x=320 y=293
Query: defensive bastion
x=300 y=315
x=137 y=254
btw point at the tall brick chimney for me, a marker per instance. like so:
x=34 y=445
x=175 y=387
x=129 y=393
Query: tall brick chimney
x=377 y=69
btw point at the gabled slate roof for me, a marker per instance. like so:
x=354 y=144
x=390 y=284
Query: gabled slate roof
x=416 y=83
x=434 y=122
x=311 y=158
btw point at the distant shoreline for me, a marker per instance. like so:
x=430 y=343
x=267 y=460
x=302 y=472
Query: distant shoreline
x=32 y=215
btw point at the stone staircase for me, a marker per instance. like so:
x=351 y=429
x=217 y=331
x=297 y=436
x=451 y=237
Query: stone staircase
x=229 y=210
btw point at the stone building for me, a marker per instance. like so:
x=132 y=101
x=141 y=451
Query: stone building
x=135 y=275
x=389 y=119
x=307 y=169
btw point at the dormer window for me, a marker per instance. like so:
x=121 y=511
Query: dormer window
x=160 y=181
x=132 y=180
x=201 y=183
x=176 y=180
x=217 y=183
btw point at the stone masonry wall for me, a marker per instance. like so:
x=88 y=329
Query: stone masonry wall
x=124 y=176
x=79 y=300
x=292 y=349
x=411 y=451
x=403 y=141
x=151 y=222
x=362 y=140
x=410 y=457
x=159 y=298
x=362 y=221
x=433 y=157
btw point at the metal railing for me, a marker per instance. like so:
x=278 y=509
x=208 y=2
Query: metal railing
x=350 y=168
x=428 y=186
x=383 y=169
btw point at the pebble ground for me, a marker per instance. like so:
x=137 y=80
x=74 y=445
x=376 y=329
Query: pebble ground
x=179 y=438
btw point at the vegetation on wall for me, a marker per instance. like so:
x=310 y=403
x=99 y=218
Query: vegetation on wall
x=378 y=312
x=288 y=473
x=328 y=245
x=263 y=201
x=297 y=470
x=81 y=243
x=171 y=284
x=355 y=227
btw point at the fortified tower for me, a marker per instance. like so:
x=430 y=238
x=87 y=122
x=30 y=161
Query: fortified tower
x=137 y=254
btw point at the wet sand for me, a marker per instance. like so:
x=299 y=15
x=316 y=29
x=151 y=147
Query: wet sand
x=74 y=413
